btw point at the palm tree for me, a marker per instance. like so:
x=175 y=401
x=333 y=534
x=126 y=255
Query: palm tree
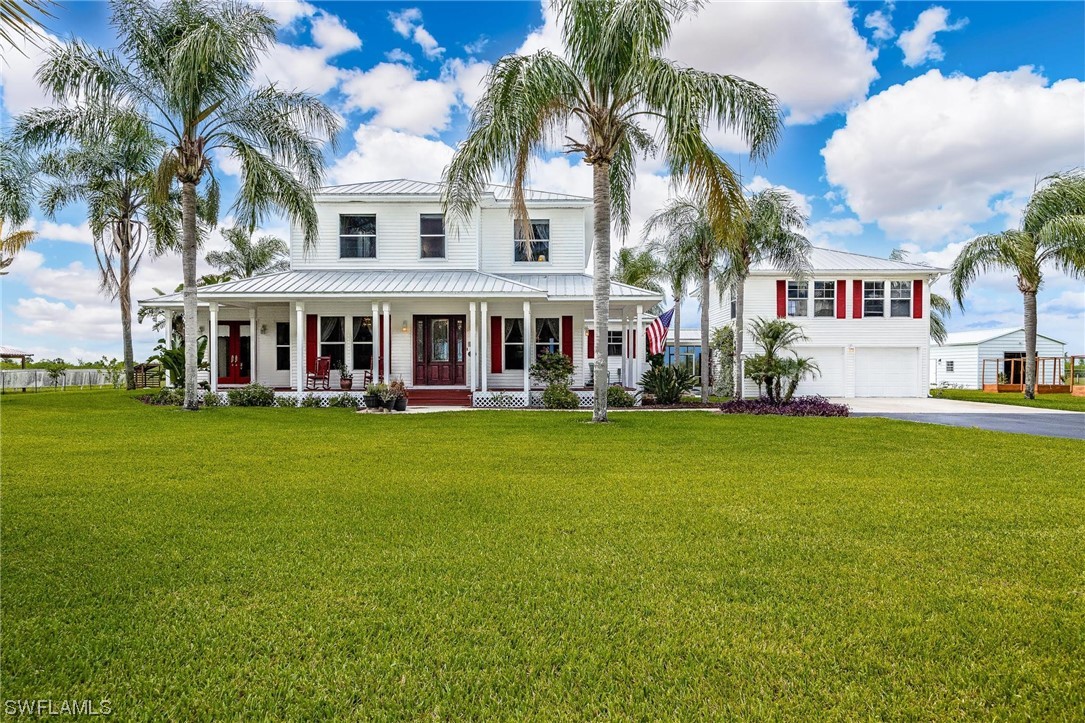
x=678 y=271
x=18 y=185
x=1052 y=234
x=611 y=76
x=940 y=305
x=686 y=235
x=18 y=19
x=114 y=175
x=637 y=268
x=188 y=66
x=245 y=258
x=768 y=233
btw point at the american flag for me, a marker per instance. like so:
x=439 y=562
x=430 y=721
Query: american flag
x=657 y=331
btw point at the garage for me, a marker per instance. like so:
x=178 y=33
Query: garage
x=886 y=372
x=830 y=360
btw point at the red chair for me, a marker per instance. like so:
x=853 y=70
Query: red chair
x=320 y=376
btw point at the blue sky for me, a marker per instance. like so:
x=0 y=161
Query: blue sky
x=915 y=125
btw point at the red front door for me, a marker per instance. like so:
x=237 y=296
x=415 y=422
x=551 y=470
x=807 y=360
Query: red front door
x=439 y=353
x=234 y=347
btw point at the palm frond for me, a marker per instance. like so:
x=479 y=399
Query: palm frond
x=985 y=253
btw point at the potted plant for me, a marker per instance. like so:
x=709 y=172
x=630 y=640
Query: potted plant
x=372 y=396
x=398 y=388
x=387 y=396
x=346 y=378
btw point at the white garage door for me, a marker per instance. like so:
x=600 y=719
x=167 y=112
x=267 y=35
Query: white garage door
x=886 y=372
x=830 y=360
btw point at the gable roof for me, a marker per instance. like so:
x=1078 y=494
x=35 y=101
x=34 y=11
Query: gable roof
x=407 y=187
x=979 y=336
x=823 y=259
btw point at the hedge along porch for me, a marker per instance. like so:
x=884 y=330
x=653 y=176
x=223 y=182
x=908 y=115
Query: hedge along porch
x=452 y=337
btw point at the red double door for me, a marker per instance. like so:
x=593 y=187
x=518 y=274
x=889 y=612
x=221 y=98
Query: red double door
x=440 y=350
x=234 y=352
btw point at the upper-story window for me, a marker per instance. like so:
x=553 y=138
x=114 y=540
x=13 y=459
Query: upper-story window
x=798 y=293
x=825 y=298
x=432 y=227
x=538 y=248
x=358 y=237
x=900 y=298
x=873 y=298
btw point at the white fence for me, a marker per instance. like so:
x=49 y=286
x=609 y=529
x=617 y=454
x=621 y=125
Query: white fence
x=515 y=400
x=34 y=379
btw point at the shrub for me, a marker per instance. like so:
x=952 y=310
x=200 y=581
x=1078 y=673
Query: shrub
x=560 y=396
x=253 y=395
x=346 y=401
x=813 y=406
x=166 y=396
x=618 y=397
x=552 y=368
x=310 y=401
x=667 y=384
x=286 y=401
x=211 y=399
x=723 y=348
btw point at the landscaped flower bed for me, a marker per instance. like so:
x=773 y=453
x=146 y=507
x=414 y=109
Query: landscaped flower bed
x=813 y=406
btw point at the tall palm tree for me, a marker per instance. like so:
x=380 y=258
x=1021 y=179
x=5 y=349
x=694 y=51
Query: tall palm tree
x=637 y=268
x=188 y=66
x=114 y=175
x=768 y=233
x=20 y=19
x=245 y=258
x=940 y=305
x=18 y=186
x=678 y=271
x=611 y=77
x=1052 y=234
x=686 y=234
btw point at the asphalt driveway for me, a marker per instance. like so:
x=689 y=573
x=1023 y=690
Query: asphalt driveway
x=955 y=413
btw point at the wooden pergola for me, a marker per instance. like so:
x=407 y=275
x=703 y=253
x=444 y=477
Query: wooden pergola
x=8 y=352
x=1053 y=376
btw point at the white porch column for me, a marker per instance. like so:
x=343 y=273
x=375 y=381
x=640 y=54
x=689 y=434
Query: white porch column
x=167 y=377
x=484 y=346
x=299 y=352
x=253 y=335
x=213 y=344
x=472 y=346
x=639 y=345
x=376 y=342
x=627 y=349
x=529 y=347
x=387 y=342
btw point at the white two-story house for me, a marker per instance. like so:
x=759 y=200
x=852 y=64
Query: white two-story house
x=867 y=322
x=459 y=314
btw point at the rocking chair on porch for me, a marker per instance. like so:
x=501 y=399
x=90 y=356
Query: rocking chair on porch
x=320 y=374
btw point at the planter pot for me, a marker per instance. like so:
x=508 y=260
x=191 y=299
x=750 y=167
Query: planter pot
x=372 y=401
x=389 y=404
x=400 y=404
x=346 y=384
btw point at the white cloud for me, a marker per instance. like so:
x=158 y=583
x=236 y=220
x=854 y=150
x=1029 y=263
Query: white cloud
x=52 y=231
x=408 y=24
x=382 y=153
x=477 y=46
x=19 y=61
x=819 y=62
x=286 y=12
x=918 y=43
x=309 y=67
x=881 y=23
x=400 y=99
x=826 y=232
x=399 y=55
x=760 y=183
x=468 y=77
x=928 y=159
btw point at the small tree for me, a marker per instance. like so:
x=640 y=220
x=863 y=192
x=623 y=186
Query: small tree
x=776 y=374
x=555 y=371
x=722 y=346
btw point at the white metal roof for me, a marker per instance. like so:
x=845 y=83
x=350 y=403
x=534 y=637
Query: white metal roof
x=979 y=336
x=12 y=351
x=407 y=187
x=417 y=283
x=822 y=259
x=582 y=286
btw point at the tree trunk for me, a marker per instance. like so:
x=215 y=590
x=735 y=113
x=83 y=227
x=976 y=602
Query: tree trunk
x=740 y=300
x=124 y=291
x=601 y=195
x=677 y=321
x=1030 y=344
x=188 y=263
x=705 y=293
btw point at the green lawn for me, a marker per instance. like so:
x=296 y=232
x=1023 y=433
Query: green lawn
x=1043 y=401
x=297 y=564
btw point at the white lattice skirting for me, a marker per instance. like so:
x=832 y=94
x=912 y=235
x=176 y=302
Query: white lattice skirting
x=515 y=400
x=293 y=399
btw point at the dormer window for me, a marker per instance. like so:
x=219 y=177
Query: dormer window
x=433 y=235
x=537 y=249
x=358 y=237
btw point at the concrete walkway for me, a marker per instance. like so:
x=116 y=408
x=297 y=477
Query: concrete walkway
x=957 y=413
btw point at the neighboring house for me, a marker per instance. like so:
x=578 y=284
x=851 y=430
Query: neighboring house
x=389 y=288
x=959 y=362
x=866 y=319
x=622 y=349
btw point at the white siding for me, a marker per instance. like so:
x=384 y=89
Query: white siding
x=398 y=238
x=567 y=228
x=514 y=379
x=966 y=372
